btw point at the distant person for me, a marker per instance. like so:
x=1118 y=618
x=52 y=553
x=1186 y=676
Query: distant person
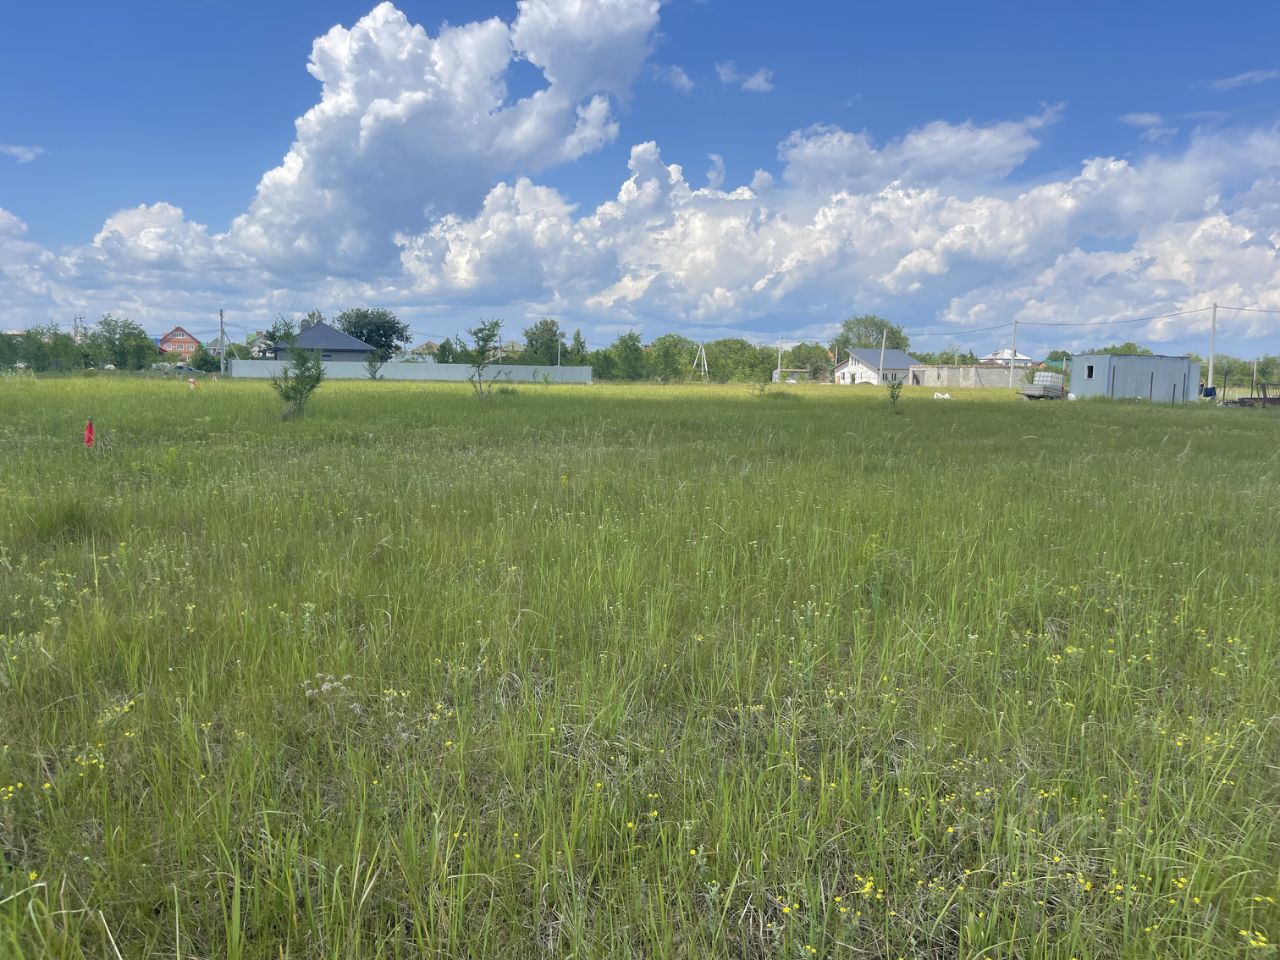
x=1201 y=392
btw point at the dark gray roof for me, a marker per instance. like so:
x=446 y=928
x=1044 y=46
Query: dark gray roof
x=324 y=337
x=893 y=359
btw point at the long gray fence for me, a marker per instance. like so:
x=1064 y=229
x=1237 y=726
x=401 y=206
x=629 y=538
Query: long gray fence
x=964 y=375
x=450 y=372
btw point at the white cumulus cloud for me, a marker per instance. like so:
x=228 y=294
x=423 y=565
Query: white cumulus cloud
x=1247 y=79
x=410 y=125
x=761 y=81
x=675 y=77
x=22 y=154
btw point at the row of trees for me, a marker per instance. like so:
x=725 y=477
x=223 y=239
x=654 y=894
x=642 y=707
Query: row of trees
x=113 y=340
x=670 y=357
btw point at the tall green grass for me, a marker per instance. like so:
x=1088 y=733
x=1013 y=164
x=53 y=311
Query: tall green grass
x=635 y=672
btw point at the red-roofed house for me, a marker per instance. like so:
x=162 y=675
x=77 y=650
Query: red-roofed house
x=178 y=340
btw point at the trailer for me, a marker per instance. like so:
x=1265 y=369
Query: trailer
x=1045 y=385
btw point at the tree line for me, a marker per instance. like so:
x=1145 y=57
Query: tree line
x=671 y=357
x=115 y=341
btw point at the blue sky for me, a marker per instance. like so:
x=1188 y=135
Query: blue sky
x=948 y=168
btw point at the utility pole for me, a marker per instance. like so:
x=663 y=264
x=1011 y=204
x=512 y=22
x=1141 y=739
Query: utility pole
x=1213 y=340
x=884 y=335
x=222 y=344
x=700 y=361
x=1013 y=353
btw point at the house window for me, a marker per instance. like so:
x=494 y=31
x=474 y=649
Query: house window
x=326 y=356
x=1088 y=372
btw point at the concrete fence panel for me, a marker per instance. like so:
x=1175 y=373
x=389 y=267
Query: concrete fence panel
x=447 y=372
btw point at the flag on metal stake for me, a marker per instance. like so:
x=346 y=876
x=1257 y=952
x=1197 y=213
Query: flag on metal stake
x=88 y=433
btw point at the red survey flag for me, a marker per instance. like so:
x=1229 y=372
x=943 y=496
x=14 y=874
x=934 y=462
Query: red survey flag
x=88 y=434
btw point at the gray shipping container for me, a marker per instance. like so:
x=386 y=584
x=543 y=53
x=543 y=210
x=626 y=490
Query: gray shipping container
x=1135 y=376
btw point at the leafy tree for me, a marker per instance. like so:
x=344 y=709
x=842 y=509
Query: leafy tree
x=950 y=355
x=671 y=357
x=628 y=356
x=9 y=354
x=461 y=352
x=485 y=339
x=379 y=328
x=283 y=330
x=49 y=348
x=1120 y=348
x=120 y=341
x=374 y=363
x=736 y=359
x=298 y=380
x=813 y=357
x=603 y=364
x=30 y=349
x=577 y=350
x=312 y=318
x=202 y=359
x=544 y=342
x=446 y=353
x=866 y=331
x=1059 y=355
x=44 y=348
x=1233 y=370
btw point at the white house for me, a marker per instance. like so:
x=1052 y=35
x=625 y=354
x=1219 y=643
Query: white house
x=863 y=366
x=1002 y=357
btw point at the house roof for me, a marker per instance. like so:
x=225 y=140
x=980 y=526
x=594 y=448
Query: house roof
x=177 y=332
x=1002 y=356
x=893 y=359
x=321 y=336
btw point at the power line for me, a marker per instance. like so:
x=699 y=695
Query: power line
x=1247 y=309
x=1108 y=323
x=960 y=330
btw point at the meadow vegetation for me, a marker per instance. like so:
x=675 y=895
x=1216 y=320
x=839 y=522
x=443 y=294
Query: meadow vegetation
x=607 y=672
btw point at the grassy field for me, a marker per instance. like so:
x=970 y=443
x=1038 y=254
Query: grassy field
x=647 y=672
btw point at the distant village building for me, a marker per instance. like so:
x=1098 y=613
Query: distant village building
x=1006 y=358
x=863 y=366
x=510 y=350
x=1135 y=376
x=178 y=340
x=424 y=350
x=260 y=348
x=332 y=343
